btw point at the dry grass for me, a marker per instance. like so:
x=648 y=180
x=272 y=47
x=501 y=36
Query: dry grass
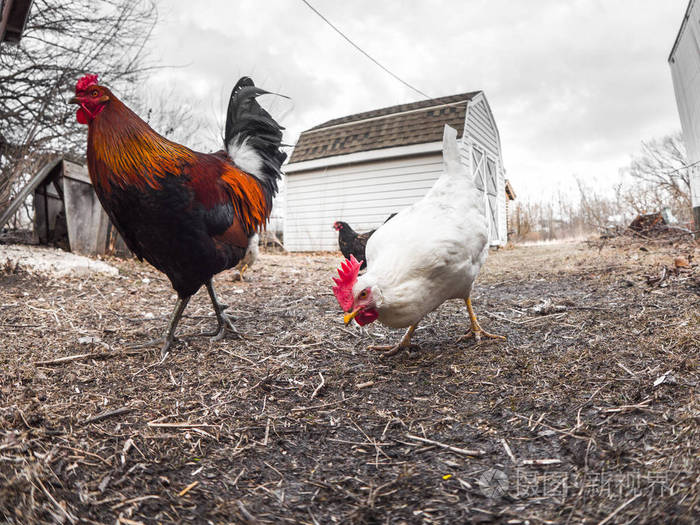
x=298 y=423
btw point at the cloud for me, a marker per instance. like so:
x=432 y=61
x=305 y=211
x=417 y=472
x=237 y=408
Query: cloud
x=574 y=86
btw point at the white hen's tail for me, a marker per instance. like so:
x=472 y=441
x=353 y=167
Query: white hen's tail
x=453 y=166
x=450 y=151
x=455 y=179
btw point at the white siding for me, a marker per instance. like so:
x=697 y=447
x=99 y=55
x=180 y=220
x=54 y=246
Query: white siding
x=276 y=222
x=685 y=70
x=481 y=129
x=502 y=207
x=363 y=195
x=481 y=133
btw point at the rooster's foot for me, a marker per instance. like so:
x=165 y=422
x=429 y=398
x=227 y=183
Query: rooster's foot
x=165 y=349
x=148 y=344
x=165 y=344
x=225 y=323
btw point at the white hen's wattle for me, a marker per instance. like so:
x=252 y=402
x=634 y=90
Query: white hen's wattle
x=431 y=251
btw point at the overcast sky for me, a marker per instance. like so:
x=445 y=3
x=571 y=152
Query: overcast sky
x=574 y=85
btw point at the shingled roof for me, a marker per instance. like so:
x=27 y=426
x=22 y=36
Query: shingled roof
x=403 y=125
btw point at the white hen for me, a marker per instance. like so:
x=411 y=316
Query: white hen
x=427 y=254
x=251 y=255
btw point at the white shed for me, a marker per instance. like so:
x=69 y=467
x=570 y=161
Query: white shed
x=364 y=167
x=685 y=70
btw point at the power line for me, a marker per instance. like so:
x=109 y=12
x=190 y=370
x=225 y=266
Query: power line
x=362 y=51
x=686 y=167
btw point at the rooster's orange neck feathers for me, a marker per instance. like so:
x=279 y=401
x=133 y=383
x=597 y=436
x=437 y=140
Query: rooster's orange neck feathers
x=133 y=153
x=125 y=152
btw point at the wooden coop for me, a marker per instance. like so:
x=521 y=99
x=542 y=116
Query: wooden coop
x=67 y=212
x=13 y=19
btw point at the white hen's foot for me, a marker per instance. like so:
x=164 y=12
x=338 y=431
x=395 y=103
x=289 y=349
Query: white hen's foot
x=478 y=334
x=405 y=343
x=476 y=331
x=391 y=350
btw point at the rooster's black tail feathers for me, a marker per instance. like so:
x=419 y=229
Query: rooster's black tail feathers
x=252 y=137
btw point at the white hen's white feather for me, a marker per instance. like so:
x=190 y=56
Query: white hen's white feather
x=431 y=251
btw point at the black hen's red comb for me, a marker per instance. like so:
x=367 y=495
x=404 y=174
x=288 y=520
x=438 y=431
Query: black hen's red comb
x=86 y=82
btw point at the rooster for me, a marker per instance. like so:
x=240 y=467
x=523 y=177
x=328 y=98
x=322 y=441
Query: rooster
x=189 y=214
x=352 y=243
x=427 y=254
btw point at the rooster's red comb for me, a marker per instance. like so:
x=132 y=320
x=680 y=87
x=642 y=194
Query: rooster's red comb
x=86 y=82
x=347 y=276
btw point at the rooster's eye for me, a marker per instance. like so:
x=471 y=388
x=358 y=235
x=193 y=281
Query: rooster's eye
x=94 y=93
x=363 y=294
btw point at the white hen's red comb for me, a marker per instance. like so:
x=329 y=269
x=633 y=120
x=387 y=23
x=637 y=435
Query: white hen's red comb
x=347 y=276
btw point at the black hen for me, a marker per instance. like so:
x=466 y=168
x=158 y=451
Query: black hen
x=353 y=243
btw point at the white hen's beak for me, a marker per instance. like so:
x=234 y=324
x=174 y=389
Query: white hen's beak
x=351 y=315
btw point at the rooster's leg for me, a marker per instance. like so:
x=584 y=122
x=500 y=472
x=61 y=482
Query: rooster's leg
x=405 y=342
x=476 y=331
x=172 y=325
x=223 y=320
x=170 y=334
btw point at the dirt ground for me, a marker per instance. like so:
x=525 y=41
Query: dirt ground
x=588 y=413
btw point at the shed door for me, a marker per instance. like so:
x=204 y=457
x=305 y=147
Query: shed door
x=485 y=178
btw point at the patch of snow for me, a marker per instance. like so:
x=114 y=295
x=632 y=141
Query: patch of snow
x=52 y=261
x=86 y=340
x=552 y=242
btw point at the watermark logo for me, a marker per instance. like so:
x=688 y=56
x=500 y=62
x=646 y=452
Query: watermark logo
x=558 y=484
x=493 y=483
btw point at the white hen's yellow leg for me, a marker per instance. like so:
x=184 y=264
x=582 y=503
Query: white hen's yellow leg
x=476 y=331
x=239 y=275
x=405 y=342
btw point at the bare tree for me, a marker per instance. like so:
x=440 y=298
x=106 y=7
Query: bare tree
x=591 y=210
x=595 y=207
x=175 y=118
x=62 y=42
x=659 y=179
x=663 y=177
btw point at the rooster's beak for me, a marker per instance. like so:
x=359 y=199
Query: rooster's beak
x=74 y=100
x=350 y=316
